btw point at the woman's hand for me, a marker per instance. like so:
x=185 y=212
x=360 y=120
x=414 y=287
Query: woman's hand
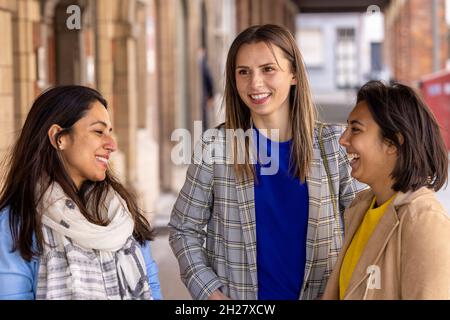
x=218 y=295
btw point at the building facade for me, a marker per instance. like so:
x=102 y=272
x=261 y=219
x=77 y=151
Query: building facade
x=342 y=51
x=416 y=39
x=330 y=43
x=142 y=55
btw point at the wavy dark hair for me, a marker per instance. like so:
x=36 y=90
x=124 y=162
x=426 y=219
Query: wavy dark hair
x=406 y=121
x=35 y=162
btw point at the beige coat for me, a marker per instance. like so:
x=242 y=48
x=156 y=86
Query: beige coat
x=408 y=254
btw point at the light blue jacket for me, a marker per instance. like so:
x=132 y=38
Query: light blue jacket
x=18 y=277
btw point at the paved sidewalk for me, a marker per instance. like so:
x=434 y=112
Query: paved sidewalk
x=163 y=210
x=172 y=287
x=169 y=273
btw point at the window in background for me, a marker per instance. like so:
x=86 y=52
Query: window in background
x=311 y=44
x=346 y=59
x=375 y=57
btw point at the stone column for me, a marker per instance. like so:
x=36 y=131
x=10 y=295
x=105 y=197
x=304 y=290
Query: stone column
x=125 y=86
x=194 y=77
x=25 y=24
x=166 y=90
x=6 y=79
x=243 y=14
x=104 y=56
x=147 y=150
x=105 y=12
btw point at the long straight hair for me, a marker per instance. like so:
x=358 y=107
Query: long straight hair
x=302 y=113
x=35 y=163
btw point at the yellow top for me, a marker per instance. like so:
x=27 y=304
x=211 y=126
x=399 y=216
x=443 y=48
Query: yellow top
x=359 y=241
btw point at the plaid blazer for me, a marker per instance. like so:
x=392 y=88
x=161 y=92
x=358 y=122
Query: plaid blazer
x=213 y=206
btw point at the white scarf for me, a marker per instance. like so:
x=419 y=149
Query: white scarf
x=82 y=260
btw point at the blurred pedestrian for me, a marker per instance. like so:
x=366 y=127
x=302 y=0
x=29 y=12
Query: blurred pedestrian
x=68 y=228
x=268 y=236
x=397 y=235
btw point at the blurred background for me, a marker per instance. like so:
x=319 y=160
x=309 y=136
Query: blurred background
x=160 y=65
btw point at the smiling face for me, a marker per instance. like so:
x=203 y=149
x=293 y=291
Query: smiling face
x=87 y=148
x=263 y=79
x=372 y=157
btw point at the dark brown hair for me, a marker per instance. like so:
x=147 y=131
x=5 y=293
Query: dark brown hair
x=34 y=161
x=302 y=113
x=406 y=121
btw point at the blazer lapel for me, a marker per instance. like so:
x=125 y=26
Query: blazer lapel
x=246 y=200
x=315 y=184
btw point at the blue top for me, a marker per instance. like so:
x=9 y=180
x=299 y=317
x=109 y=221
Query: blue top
x=18 y=277
x=281 y=205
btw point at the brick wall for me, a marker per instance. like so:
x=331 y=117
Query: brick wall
x=6 y=84
x=25 y=20
x=409 y=39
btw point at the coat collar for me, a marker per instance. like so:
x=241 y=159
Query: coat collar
x=353 y=217
x=377 y=241
x=380 y=236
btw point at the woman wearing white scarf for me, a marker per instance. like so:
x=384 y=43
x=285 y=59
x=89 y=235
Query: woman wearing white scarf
x=65 y=209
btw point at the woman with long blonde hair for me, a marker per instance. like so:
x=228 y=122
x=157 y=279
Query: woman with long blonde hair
x=271 y=199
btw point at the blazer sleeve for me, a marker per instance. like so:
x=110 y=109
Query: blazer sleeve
x=17 y=276
x=190 y=215
x=425 y=256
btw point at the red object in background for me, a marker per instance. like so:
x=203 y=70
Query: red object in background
x=436 y=93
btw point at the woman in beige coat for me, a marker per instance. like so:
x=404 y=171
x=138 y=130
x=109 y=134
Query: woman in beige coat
x=397 y=234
